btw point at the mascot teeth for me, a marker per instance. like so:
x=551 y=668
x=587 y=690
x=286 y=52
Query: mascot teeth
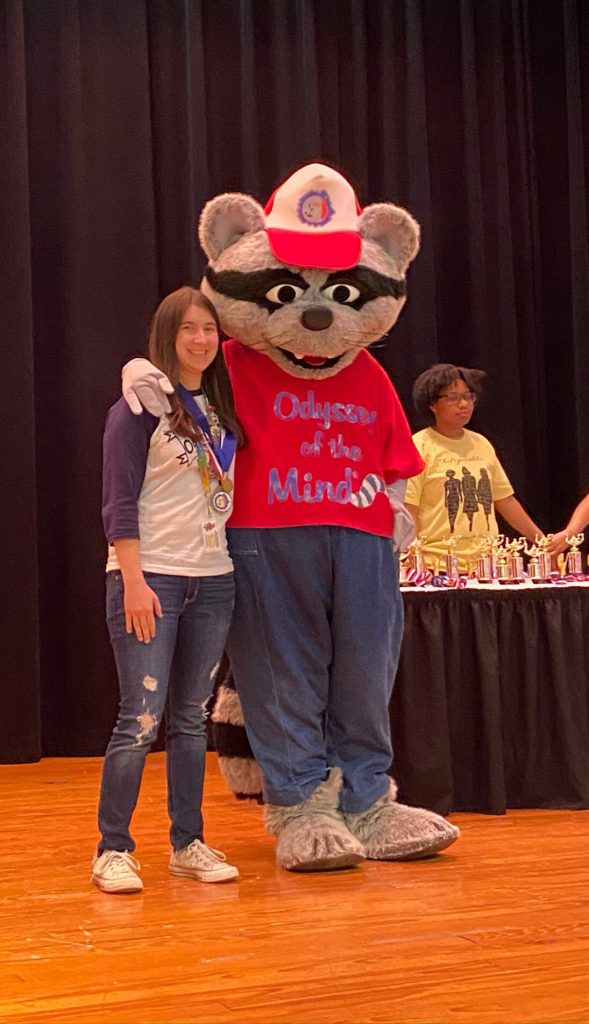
x=309 y=362
x=314 y=360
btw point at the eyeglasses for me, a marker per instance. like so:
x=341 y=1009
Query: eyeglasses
x=458 y=396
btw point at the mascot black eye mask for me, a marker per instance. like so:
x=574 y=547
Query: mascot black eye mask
x=309 y=310
x=302 y=288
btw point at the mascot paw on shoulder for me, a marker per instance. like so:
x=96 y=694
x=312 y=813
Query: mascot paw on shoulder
x=302 y=288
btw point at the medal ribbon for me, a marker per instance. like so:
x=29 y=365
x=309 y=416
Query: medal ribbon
x=222 y=452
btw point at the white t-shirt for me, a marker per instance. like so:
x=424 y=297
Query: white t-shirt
x=153 y=491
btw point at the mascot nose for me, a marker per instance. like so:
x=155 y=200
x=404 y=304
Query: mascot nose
x=316 y=318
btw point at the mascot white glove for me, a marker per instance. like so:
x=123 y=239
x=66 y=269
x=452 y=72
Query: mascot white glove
x=404 y=528
x=146 y=387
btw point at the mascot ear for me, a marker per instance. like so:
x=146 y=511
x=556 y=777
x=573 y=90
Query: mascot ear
x=393 y=229
x=225 y=219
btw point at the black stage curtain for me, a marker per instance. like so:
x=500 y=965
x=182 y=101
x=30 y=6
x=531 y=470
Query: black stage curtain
x=118 y=120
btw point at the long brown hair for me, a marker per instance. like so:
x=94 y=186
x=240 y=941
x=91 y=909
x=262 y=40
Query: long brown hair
x=216 y=385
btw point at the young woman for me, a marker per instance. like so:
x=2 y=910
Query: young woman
x=170 y=588
x=463 y=483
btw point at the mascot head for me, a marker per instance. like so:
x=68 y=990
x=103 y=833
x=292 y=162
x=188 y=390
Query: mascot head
x=311 y=279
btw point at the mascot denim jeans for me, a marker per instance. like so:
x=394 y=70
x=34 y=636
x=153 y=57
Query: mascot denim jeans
x=314 y=645
x=174 y=672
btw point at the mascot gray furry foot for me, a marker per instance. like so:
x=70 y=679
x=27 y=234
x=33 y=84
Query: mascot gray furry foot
x=312 y=835
x=302 y=288
x=392 y=831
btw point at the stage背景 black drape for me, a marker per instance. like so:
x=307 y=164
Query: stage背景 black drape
x=119 y=120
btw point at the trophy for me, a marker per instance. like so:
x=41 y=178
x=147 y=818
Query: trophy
x=502 y=569
x=484 y=562
x=412 y=563
x=451 y=558
x=544 y=555
x=574 y=561
x=536 y=565
x=515 y=561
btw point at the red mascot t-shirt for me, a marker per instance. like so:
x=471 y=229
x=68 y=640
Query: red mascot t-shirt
x=318 y=452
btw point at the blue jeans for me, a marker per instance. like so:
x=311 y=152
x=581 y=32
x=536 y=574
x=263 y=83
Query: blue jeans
x=314 y=645
x=174 y=672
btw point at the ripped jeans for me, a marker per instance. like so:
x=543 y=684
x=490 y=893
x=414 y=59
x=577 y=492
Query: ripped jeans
x=174 y=672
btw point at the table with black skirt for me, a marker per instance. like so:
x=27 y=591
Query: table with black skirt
x=490 y=708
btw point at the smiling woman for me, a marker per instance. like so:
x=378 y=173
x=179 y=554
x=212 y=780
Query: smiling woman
x=197 y=343
x=168 y=482
x=463 y=483
x=184 y=345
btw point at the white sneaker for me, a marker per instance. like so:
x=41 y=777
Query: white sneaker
x=114 y=871
x=203 y=862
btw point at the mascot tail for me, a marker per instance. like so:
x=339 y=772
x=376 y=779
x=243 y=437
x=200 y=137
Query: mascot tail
x=236 y=760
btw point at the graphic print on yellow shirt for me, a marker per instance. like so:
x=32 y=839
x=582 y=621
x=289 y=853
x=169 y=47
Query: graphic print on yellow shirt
x=455 y=493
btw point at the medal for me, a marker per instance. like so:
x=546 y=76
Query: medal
x=221 y=501
x=214 y=454
x=221 y=444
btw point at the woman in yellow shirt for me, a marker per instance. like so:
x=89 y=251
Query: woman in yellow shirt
x=463 y=483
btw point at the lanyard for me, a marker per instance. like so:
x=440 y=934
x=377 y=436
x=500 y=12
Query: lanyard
x=223 y=450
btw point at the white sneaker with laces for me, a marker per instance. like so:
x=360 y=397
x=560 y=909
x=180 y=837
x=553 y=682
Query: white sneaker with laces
x=203 y=862
x=114 y=871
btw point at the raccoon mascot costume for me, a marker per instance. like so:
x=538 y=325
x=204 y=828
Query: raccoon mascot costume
x=302 y=288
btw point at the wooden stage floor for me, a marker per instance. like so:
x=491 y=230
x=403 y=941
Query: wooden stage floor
x=495 y=930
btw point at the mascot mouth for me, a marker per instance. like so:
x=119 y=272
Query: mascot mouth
x=309 y=362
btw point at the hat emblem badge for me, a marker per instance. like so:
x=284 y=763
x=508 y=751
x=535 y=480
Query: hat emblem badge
x=315 y=208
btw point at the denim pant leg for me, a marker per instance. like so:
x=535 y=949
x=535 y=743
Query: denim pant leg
x=367 y=632
x=202 y=630
x=143 y=671
x=280 y=649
